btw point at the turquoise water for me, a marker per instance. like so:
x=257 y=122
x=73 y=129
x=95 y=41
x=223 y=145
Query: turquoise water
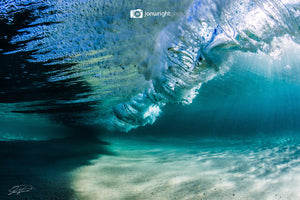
x=200 y=104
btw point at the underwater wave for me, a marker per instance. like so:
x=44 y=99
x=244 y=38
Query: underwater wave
x=89 y=58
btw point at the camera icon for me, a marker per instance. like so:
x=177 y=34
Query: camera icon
x=137 y=13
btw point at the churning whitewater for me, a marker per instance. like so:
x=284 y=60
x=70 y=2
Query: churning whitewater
x=127 y=69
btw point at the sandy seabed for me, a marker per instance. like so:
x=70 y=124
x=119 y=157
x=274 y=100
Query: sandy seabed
x=265 y=169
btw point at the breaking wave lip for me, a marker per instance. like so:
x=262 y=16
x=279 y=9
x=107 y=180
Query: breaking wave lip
x=168 y=64
x=195 y=49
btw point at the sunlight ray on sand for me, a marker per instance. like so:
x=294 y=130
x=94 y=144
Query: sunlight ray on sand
x=203 y=169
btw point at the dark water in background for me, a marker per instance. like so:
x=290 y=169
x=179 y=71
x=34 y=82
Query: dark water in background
x=209 y=97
